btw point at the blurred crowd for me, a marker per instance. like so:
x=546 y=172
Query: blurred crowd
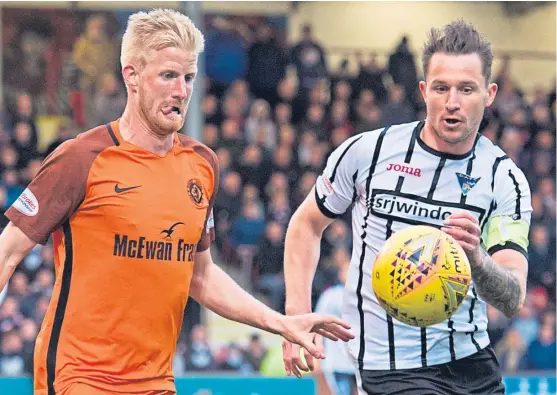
x=272 y=114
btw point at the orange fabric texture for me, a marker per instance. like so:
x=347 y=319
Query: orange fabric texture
x=126 y=224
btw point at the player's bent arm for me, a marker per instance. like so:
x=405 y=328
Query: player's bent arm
x=500 y=280
x=215 y=290
x=301 y=254
x=14 y=246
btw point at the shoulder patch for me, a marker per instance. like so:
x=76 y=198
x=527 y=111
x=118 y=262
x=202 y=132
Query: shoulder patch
x=27 y=203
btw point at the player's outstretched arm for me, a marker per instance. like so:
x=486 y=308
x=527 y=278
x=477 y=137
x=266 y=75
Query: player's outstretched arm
x=499 y=279
x=301 y=256
x=214 y=289
x=14 y=245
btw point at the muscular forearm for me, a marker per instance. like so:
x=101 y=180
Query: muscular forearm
x=219 y=293
x=6 y=271
x=14 y=246
x=499 y=286
x=302 y=251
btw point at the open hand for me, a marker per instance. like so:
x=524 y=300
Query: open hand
x=301 y=330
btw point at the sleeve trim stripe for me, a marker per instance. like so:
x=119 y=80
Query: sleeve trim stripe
x=517 y=214
x=342 y=156
x=509 y=245
x=321 y=204
x=494 y=170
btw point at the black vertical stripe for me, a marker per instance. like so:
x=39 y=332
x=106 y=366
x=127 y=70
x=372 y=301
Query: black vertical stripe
x=359 y=296
x=493 y=203
x=355 y=193
x=436 y=176
x=413 y=142
x=60 y=308
x=473 y=302
x=342 y=156
x=451 y=340
x=517 y=214
x=112 y=134
x=388 y=233
x=423 y=331
x=423 y=341
x=478 y=348
x=430 y=193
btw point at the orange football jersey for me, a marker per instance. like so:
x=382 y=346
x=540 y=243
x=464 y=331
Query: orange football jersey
x=126 y=224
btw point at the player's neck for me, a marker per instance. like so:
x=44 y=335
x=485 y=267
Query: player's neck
x=430 y=138
x=135 y=130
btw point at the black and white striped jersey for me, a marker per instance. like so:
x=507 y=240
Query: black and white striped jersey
x=393 y=181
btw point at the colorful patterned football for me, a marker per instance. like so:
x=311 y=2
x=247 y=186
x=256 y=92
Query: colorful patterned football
x=421 y=276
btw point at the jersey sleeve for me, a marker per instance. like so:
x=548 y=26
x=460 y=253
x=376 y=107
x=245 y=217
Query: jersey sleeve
x=208 y=233
x=509 y=223
x=54 y=194
x=334 y=189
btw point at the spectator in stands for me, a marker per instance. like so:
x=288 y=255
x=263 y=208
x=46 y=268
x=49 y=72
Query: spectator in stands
x=110 y=100
x=199 y=356
x=510 y=351
x=527 y=322
x=268 y=265
x=259 y=125
x=239 y=93
x=402 y=69
x=94 y=54
x=255 y=352
x=339 y=120
x=25 y=143
x=10 y=315
x=247 y=228
x=397 y=110
x=289 y=93
x=232 y=358
x=211 y=110
x=541 y=353
x=267 y=63
x=12 y=362
x=542 y=253
x=308 y=57
x=29 y=331
x=371 y=77
x=253 y=167
x=279 y=209
x=368 y=112
x=225 y=53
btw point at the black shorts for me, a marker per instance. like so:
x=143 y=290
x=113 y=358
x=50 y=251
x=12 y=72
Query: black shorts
x=477 y=374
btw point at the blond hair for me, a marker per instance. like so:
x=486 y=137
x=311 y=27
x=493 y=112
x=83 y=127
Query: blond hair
x=158 y=29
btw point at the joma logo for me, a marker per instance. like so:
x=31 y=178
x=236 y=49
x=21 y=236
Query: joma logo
x=405 y=169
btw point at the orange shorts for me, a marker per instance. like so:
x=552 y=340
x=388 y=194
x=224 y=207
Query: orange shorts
x=85 y=389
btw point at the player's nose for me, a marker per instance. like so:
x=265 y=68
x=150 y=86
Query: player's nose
x=453 y=101
x=180 y=90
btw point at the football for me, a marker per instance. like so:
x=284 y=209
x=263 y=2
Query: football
x=421 y=276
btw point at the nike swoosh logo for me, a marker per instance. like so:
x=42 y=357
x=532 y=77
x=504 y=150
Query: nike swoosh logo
x=117 y=189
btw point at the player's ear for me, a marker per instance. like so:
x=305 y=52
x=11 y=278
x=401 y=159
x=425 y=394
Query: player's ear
x=491 y=92
x=131 y=77
x=422 y=86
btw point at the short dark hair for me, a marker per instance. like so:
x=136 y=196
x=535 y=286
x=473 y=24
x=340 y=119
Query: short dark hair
x=458 y=38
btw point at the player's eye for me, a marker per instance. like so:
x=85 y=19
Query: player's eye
x=190 y=77
x=467 y=90
x=440 y=89
x=168 y=75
